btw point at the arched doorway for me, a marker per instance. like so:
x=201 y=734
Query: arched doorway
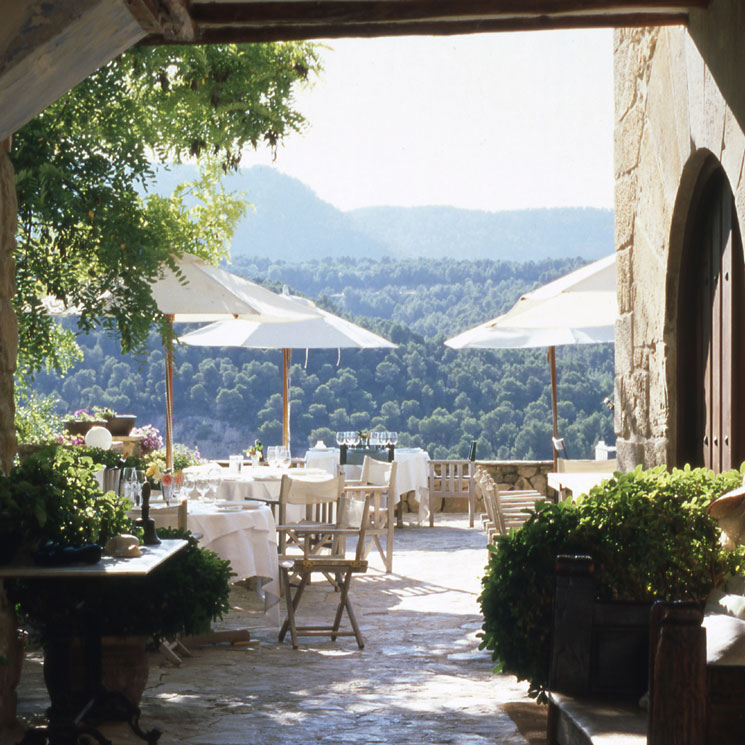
x=711 y=402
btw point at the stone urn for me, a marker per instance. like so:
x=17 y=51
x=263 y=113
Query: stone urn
x=124 y=668
x=121 y=424
x=81 y=428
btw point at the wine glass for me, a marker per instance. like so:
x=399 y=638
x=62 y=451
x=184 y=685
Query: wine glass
x=140 y=480
x=393 y=438
x=213 y=481
x=285 y=459
x=128 y=485
x=340 y=436
x=189 y=485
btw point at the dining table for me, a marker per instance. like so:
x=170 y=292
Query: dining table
x=412 y=472
x=244 y=533
x=570 y=486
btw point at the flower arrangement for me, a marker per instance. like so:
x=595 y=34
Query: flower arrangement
x=83 y=415
x=257 y=449
x=151 y=438
x=103 y=413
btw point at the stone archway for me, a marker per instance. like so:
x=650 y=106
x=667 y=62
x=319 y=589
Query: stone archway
x=710 y=352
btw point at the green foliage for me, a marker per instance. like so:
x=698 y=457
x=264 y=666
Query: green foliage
x=36 y=420
x=87 y=235
x=649 y=535
x=438 y=398
x=53 y=495
x=180 y=597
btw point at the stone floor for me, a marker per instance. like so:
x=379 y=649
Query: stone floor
x=419 y=679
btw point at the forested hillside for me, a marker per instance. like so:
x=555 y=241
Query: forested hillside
x=437 y=398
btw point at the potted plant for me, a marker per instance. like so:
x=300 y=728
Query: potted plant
x=54 y=496
x=80 y=421
x=649 y=535
x=120 y=425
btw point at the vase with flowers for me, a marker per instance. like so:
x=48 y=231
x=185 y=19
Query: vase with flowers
x=255 y=453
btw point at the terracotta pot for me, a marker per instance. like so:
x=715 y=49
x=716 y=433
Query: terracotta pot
x=124 y=668
x=81 y=428
x=121 y=425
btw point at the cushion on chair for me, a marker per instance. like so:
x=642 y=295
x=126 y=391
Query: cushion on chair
x=725 y=639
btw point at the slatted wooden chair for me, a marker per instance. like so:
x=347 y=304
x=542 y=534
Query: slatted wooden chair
x=506 y=510
x=322 y=549
x=451 y=478
x=377 y=482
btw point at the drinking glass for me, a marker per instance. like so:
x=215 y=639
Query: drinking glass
x=189 y=485
x=340 y=436
x=128 y=486
x=393 y=438
x=285 y=459
x=375 y=439
x=202 y=486
x=272 y=456
x=214 y=479
x=140 y=480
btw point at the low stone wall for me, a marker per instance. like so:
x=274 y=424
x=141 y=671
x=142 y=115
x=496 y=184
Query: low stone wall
x=509 y=475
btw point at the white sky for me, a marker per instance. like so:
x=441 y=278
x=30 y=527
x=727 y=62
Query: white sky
x=492 y=122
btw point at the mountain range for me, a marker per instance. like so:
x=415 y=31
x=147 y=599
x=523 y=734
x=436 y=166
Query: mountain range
x=289 y=222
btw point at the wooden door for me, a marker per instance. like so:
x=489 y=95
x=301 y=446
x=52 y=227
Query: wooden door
x=712 y=406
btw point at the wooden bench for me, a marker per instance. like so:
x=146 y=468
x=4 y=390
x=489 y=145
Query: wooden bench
x=605 y=656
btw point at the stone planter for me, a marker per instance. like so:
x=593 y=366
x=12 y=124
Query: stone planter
x=124 y=668
x=81 y=428
x=121 y=425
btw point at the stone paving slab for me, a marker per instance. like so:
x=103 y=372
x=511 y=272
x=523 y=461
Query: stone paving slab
x=419 y=679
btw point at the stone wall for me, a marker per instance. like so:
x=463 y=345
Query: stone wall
x=678 y=100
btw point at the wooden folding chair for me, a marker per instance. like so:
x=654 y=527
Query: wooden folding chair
x=377 y=482
x=450 y=478
x=352 y=520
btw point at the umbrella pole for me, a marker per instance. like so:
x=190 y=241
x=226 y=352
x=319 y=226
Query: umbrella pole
x=169 y=401
x=286 y=358
x=552 y=363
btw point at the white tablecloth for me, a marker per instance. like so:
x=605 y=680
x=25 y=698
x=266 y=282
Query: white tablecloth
x=412 y=472
x=247 y=539
x=576 y=484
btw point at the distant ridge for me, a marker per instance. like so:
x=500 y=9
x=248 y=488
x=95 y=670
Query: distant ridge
x=290 y=222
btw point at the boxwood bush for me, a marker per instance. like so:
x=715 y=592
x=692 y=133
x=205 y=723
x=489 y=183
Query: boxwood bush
x=650 y=537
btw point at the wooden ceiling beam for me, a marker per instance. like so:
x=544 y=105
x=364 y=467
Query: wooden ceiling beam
x=375 y=11
x=266 y=33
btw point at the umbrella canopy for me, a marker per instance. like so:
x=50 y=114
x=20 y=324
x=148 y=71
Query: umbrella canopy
x=199 y=292
x=578 y=308
x=319 y=329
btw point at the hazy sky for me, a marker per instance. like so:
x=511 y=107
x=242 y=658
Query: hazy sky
x=492 y=121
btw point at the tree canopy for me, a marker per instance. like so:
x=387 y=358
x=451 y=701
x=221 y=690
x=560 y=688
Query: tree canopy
x=437 y=398
x=89 y=233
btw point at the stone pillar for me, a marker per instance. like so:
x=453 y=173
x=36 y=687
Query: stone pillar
x=8 y=344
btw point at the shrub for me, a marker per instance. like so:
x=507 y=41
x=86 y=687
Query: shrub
x=649 y=535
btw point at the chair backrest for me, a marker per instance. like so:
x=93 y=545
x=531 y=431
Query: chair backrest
x=564 y=465
x=378 y=472
x=353 y=514
x=321 y=498
x=171 y=516
x=449 y=478
x=299 y=490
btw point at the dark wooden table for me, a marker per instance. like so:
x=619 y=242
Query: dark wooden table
x=68 y=727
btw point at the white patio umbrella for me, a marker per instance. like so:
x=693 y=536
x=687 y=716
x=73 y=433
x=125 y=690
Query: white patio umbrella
x=200 y=292
x=578 y=308
x=319 y=329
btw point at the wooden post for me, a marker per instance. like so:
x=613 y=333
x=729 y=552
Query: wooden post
x=677 y=678
x=552 y=363
x=573 y=613
x=286 y=359
x=169 y=400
